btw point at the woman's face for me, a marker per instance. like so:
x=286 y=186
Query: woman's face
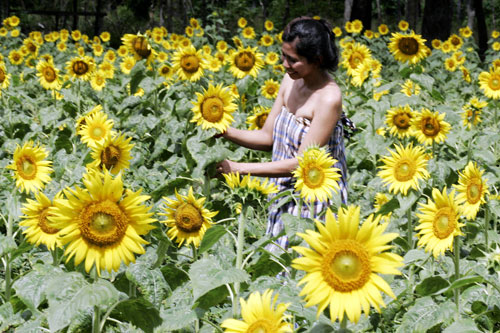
x=295 y=65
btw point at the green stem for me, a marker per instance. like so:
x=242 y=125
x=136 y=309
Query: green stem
x=8 y=268
x=373 y=122
x=343 y=324
x=96 y=321
x=486 y=225
x=410 y=228
x=55 y=257
x=456 y=252
x=195 y=252
x=239 y=255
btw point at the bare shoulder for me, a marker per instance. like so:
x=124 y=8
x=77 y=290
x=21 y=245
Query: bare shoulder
x=329 y=98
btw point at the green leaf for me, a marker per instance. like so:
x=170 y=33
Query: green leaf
x=69 y=295
x=137 y=74
x=7 y=245
x=465 y=281
x=426 y=81
x=139 y=312
x=388 y=207
x=207 y=274
x=212 y=235
x=463 y=325
x=431 y=285
x=406 y=202
x=425 y=314
x=8 y=318
x=321 y=328
x=150 y=281
x=177 y=317
x=478 y=307
x=30 y=288
x=415 y=255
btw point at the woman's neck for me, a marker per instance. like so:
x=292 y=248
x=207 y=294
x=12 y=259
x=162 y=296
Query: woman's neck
x=316 y=79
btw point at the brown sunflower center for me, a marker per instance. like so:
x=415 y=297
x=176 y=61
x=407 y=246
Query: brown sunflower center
x=2 y=75
x=165 y=70
x=474 y=190
x=402 y=120
x=190 y=63
x=408 y=46
x=455 y=40
x=355 y=59
x=212 y=109
x=261 y=119
x=31 y=47
x=43 y=223
x=26 y=167
x=80 y=67
x=49 y=74
x=103 y=223
x=494 y=82
x=16 y=57
x=141 y=47
x=346 y=266
x=271 y=90
x=188 y=218
x=110 y=156
x=430 y=127
x=313 y=176
x=444 y=222
x=404 y=170
x=245 y=61
x=261 y=326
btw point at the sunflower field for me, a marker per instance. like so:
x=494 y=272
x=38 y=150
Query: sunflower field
x=114 y=219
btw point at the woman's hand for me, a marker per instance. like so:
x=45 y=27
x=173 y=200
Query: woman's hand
x=226 y=166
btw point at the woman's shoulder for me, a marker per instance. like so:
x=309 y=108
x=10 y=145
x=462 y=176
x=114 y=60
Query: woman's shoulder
x=330 y=94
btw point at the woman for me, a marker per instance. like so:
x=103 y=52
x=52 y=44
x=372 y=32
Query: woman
x=307 y=111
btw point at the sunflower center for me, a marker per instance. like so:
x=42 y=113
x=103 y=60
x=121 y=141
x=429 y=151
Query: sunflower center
x=2 y=75
x=190 y=63
x=495 y=82
x=261 y=119
x=110 y=156
x=49 y=74
x=80 y=67
x=356 y=59
x=245 y=61
x=212 y=109
x=31 y=47
x=404 y=170
x=97 y=132
x=271 y=90
x=313 y=176
x=444 y=222
x=346 y=265
x=165 y=70
x=26 y=168
x=430 y=126
x=141 y=46
x=43 y=223
x=474 y=190
x=402 y=120
x=16 y=57
x=103 y=223
x=188 y=218
x=261 y=326
x=408 y=46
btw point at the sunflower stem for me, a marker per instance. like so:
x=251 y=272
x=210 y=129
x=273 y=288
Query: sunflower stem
x=299 y=209
x=195 y=252
x=55 y=257
x=373 y=122
x=486 y=225
x=8 y=268
x=410 y=228
x=239 y=255
x=456 y=257
x=343 y=324
x=96 y=320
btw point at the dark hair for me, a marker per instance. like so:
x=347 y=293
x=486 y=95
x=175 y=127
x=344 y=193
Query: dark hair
x=316 y=41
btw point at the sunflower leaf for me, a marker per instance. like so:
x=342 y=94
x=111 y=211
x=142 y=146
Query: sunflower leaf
x=139 y=312
x=463 y=325
x=425 y=314
x=212 y=235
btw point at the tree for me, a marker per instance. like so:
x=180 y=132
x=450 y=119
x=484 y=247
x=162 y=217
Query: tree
x=481 y=28
x=362 y=10
x=436 y=23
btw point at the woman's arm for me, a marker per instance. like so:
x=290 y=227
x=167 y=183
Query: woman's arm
x=260 y=139
x=282 y=168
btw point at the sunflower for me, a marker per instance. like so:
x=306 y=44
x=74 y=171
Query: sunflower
x=383 y=29
x=403 y=25
x=246 y=61
x=438 y=222
x=495 y=34
x=268 y=25
x=258 y=117
x=107 y=69
x=456 y=41
x=96 y=128
x=270 y=89
x=380 y=200
x=139 y=46
x=472 y=189
x=265 y=187
x=105 y=36
x=343 y=263
x=98 y=80
x=242 y=22
x=337 y=31
x=214 y=108
x=260 y=314
x=266 y=40
x=271 y=58
x=495 y=46
x=489 y=82
x=81 y=67
x=188 y=63
x=446 y=46
x=316 y=176
x=113 y=154
x=465 y=74
x=436 y=44
x=248 y=33
x=408 y=47
x=348 y=27
x=465 y=32
x=409 y=88
x=429 y=127
x=399 y=119
x=4 y=77
x=187 y=218
x=357 y=26
x=31 y=169
x=16 y=57
x=49 y=75
x=102 y=224
x=127 y=64
x=404 y=168
x=471 y=114
x=39 y=229
x=361 y=73
x=354 y=56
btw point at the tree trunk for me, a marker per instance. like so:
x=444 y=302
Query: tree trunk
x=412 y=10
x=471 y=15
x=436 y=23
x=286 y=14
x=169 y=13
x=481 y=28
x=379 y=13
x=362 y=10
x=347 y=10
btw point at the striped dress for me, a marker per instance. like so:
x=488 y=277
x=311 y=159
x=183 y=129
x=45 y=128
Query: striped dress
x=287 y=136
